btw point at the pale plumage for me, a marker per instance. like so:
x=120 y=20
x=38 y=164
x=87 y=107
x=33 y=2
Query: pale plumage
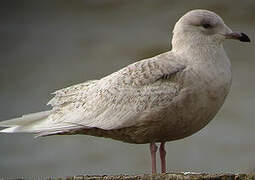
x=163 y=98
x=116 y=101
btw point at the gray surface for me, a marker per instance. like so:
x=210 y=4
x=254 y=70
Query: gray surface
x=48 y=45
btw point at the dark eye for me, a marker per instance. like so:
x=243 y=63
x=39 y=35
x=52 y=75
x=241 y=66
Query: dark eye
x=206 y=25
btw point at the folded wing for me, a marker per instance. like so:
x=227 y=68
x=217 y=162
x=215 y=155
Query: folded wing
x=118 y=100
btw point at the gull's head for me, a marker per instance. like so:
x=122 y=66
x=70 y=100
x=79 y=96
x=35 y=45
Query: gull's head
x=203 y=27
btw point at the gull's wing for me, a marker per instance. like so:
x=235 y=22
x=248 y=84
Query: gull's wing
x=122 y=99
x=119 y=99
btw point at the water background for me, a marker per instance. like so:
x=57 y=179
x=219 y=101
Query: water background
x=47 y=45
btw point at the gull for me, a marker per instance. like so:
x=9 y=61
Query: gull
x=164 y=98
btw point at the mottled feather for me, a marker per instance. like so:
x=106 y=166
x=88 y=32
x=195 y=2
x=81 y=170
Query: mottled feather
x=112 y=102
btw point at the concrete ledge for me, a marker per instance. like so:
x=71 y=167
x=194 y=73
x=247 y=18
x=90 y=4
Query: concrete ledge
x=168 y=176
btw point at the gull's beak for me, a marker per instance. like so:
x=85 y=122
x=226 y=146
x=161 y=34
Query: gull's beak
x=239 y=36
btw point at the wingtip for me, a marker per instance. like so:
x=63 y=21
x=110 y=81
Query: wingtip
x=9 y=130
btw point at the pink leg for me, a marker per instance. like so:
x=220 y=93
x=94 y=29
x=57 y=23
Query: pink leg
x=153 y=149
x=162 y=157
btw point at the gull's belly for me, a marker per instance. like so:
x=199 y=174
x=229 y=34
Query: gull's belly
x=193 y=113
x=193 y=108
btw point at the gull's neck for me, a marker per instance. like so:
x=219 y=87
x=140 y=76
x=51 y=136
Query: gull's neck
x=198 y=49
x=207 y=60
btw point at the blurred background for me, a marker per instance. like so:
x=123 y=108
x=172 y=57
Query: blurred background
x=51 y=44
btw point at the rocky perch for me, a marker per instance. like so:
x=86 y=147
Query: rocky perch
x=167 y=176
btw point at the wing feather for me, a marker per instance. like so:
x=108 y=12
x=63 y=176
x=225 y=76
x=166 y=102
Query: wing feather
x=120 y=99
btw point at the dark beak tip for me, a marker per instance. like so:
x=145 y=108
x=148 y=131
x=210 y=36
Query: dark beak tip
x=244 y=38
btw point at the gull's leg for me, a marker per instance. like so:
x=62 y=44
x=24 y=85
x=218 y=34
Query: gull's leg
x=153 y=149
x=162 y=152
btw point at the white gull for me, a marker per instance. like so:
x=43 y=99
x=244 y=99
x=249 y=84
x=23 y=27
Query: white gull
x=163 y=98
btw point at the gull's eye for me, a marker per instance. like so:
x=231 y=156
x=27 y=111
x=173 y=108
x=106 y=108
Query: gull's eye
x=206 y=25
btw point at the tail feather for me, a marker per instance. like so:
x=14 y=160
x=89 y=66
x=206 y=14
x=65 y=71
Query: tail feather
x=9 y=130
x=24 y=123
x=39 y=124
